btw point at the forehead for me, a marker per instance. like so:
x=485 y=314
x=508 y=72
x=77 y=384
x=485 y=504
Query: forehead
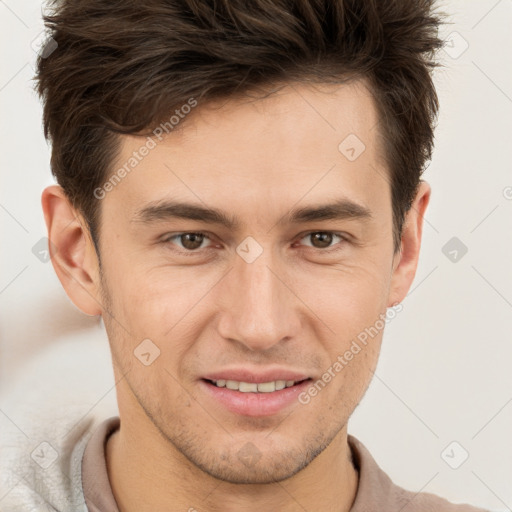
x=289 y=122
x=318 y=141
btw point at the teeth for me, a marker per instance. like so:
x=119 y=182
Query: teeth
x=252 y=387
x=280 y=384
x=246 y=387
x=267 y=387
x=232 y=384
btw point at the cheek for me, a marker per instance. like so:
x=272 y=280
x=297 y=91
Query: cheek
x=154 y=301
x=346 y=300
x=163 y=310
x=357 y=374
x=353 y=357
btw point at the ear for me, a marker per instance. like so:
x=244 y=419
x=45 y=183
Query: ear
x=406 y=261
x=72 y=251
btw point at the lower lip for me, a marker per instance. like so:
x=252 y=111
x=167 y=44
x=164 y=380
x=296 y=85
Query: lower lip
x=255 y=404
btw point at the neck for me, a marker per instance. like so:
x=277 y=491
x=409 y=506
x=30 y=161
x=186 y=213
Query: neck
x=148 y=473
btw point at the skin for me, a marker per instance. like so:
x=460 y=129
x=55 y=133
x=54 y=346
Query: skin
x=294 y=306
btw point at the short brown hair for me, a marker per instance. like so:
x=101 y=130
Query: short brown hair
x=121 y=67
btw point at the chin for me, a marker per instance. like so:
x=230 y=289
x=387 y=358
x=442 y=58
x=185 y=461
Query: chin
x=248 y=463
x=269 y=472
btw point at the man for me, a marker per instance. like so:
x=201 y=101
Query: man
x=239 y=198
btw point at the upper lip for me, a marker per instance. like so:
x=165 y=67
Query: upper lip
x=256 y=376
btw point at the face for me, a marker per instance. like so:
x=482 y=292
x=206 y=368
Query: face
x=275 y=287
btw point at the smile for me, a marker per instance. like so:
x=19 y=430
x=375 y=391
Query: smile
x=254 y=398
x=254 y=387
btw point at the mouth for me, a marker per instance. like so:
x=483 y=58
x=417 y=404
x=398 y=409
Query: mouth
x=255 y=387
x=254 y=399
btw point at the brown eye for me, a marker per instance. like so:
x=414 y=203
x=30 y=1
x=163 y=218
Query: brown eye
x=323 y=239
x=191 y=241
x=187 y=241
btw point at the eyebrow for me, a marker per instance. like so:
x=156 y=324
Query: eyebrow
x=342 y=209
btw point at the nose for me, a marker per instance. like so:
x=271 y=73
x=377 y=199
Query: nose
x=259 y=309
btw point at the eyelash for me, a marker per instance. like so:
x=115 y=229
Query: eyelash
x=186 y=252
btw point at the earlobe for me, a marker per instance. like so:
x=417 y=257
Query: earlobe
x=405 y=270
x=72 y=251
